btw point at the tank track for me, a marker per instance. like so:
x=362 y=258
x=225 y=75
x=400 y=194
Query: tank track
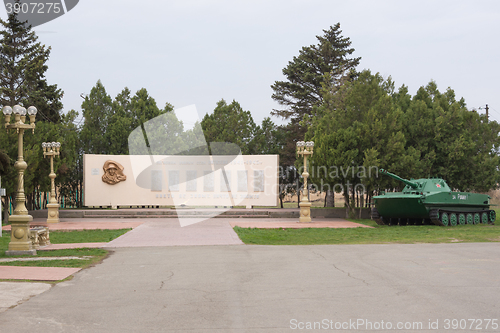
x=452 y=218
x=439 y=217
x=434 y=215
x=376 y=217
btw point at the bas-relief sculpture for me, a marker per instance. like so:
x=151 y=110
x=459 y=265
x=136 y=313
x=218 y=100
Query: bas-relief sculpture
x=113 y=173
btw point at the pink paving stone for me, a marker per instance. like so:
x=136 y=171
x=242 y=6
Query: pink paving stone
x=170 y=233
x=36 y=273
x=84 y=225
x=297 y=225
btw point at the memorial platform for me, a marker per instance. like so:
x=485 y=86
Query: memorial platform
x=196 y=212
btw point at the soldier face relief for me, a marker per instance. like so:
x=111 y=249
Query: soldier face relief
x=113 y=173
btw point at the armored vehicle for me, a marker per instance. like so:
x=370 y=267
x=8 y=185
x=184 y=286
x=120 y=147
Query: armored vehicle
x=430 y=201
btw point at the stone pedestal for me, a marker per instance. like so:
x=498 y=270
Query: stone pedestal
x=305 y=211
x=53 y=213
x=20 y=242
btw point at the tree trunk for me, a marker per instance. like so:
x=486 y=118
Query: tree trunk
x=6 y=209
x=330 y=198
x=298 y=194
x=80 y=192
x=349 y=204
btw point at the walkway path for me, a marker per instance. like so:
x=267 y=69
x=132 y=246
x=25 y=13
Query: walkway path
x=167 y=232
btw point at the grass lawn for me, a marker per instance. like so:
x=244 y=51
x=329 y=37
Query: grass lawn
x=377 y=235
x=59 y=237
x=93 y=256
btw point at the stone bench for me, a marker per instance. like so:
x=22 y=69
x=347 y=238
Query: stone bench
x=39 y=236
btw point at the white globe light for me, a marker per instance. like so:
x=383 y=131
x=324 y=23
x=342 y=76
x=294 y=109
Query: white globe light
x=44 y=145
x=32 y=110
x=17 y=109
x=7 y=110
x=22 y=111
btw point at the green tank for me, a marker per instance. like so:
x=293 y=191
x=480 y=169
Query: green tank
x=430 y=201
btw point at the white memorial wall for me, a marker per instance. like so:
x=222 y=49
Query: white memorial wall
x=159 y=180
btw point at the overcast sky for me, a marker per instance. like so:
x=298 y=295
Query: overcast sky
x=197 y=52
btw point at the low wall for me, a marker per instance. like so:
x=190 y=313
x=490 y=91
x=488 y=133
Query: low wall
x=272 y=213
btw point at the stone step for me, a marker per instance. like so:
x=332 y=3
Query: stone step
x=177 y=216
x=197 y=213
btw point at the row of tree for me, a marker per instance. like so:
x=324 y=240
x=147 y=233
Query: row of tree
x=357 y=120
x=365 y=123
x=360 y=123
x=22 y=81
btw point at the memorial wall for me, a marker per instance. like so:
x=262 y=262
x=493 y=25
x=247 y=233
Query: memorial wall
x=159 y=180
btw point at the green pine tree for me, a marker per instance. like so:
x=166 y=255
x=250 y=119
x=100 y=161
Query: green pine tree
x=22 y=71
x=230 y=123
x=306 y=72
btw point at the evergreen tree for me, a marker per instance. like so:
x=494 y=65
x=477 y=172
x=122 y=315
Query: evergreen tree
x=366 y=124
x=454 y=143
x=97 y=111
x=22 y=71
x=4 y=163
x=358 y=127
x=22 y=81
x=120 y=124
x=230 y=123
x=302 y=89
x=269 y=138
x=305 y=74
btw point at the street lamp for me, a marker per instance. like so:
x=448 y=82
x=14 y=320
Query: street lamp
x=51 y=149
x=20 y=242
x=305 y=149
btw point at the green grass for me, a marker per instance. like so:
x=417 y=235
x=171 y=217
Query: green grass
x=96 y=254
x=377 y=235
x=64 y=237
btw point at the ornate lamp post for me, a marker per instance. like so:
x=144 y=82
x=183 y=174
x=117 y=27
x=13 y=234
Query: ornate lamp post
x=20 y=242
x=51 y=149
x=305 y=149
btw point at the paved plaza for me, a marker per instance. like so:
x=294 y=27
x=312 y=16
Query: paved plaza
x=248 y=288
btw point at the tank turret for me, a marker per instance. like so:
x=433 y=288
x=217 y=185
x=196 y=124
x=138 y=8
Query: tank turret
x=406 y=181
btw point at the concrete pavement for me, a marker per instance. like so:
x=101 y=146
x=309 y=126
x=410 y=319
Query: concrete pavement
x=150 y=232
x=243 y=288
x=15 y=293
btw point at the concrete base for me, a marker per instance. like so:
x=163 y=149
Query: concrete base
x=53 y=213
x=20 y=242
x=20 y=253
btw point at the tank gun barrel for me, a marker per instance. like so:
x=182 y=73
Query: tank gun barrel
x=406 y=181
